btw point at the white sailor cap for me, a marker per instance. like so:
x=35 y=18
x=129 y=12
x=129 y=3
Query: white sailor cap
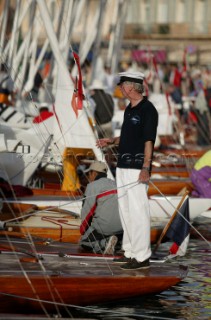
x=137 y=77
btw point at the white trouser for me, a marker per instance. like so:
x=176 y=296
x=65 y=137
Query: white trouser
x=134 y=213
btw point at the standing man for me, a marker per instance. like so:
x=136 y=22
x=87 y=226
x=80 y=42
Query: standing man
x=136 y=144
x=101 y=227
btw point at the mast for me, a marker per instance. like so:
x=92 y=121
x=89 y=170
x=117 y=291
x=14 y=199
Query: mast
x=98 y=39
x=26 y=51
x=85 y=26
x=90 y=37
x=52 y=37
x=65 y=42
x=53 y=70
x=22 y=16
x=4 y=18
x=122 y=11
x=112 y=35
x=57 y=36
x=77 y=12
x=14 y=38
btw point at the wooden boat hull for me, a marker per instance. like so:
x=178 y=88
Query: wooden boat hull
x=166 y=186
x=79 y=281
x=57 y=225
x=79 y=290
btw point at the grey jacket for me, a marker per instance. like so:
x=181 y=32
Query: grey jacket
x=106 y=218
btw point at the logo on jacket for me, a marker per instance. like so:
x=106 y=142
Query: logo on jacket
x=135 y=120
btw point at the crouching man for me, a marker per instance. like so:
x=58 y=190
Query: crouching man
x=101 y=227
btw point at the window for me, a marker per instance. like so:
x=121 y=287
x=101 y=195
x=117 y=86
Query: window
x=162 y=11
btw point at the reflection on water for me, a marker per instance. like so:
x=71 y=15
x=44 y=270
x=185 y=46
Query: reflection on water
x=190 y=299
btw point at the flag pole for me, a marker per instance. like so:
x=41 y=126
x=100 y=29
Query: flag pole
x=170 y=221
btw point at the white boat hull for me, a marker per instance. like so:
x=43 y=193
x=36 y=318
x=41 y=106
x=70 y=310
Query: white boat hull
x=163 y=208
x=160 y=208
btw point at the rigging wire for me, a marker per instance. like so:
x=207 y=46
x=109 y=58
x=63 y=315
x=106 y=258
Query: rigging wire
x=112 y=311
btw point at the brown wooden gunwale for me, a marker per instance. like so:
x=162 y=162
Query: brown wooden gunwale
x=170 y=186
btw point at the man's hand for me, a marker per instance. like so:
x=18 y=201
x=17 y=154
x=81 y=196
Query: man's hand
x=144 y=176
x=103 y=142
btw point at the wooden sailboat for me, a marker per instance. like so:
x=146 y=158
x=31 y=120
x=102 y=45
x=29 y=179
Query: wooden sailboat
x=77 y=282
x=56 y=224
x=51 y=280
x=49 y=224
x=161 y=207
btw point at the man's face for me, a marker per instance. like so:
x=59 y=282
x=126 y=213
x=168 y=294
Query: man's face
x=126 y=88
x=92 y=175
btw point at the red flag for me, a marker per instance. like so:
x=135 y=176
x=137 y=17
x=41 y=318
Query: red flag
x=79 y=86
x=155 y=64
